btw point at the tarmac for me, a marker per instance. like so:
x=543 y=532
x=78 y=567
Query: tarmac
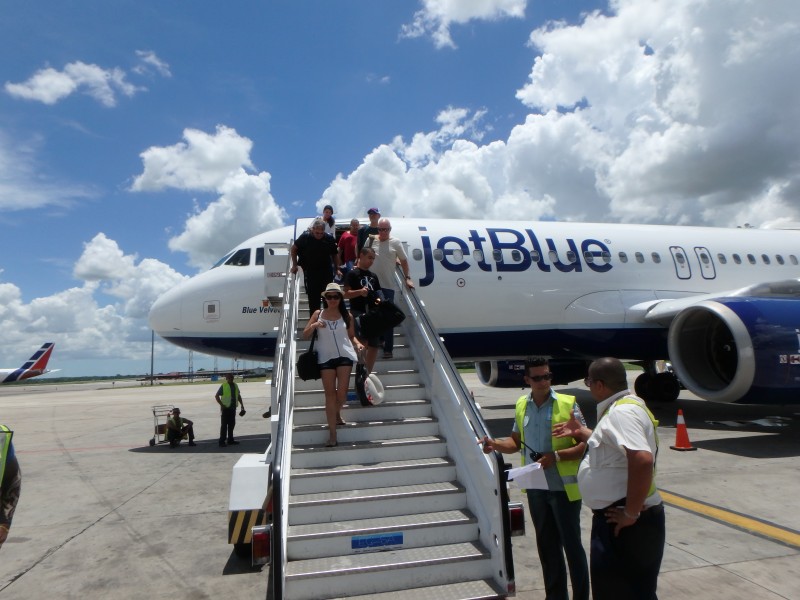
x=104 y=515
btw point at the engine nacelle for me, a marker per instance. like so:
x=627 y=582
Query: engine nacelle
x=509 y=373
x=739 y=349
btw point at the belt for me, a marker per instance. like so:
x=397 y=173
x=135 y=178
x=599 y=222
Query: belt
x=621 y=504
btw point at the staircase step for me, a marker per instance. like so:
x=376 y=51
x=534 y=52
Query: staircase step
x=368 y=452
x=335 y=538
x=313 y=395
x=388 y=571
x=317 y=434
x=355 y=413
x=375 y=502
x=482 y=589
x=388 y=377
x=347 y=477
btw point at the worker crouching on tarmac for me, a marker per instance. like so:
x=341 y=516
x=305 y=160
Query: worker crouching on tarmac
x=177 y=428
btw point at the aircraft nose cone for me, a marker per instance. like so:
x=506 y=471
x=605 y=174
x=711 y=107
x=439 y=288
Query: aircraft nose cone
x=165 y=314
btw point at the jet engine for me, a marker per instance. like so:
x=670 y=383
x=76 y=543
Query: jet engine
x=509 y=374
x=740 y=348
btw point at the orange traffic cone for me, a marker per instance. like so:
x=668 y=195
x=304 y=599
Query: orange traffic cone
x=682 y=435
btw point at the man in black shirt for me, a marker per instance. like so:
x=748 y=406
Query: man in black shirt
x=316 y=252
x=361 y=286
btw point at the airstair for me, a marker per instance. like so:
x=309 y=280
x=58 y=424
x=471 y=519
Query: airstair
x=407 y=505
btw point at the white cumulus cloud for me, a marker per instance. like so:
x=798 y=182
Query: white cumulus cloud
x=219 y=163
x=436 y=17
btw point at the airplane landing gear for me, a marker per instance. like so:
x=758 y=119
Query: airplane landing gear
x=657 y=387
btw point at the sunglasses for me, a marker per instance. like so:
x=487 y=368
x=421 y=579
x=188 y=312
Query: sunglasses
x=384 y=228
x=332 y=297
x=537 y=378
x=589 y=381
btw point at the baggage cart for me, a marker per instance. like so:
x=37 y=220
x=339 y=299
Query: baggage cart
x=161 y=412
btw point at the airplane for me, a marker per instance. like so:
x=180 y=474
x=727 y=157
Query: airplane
x=722 y=305
x=36 y=365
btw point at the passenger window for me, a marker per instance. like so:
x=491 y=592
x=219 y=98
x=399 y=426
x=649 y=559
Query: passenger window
x=606 y=257
x=779 y=258
x=721 y=258
x=704 y=258
x=793 y=259
x=680 y=258
x=497 y=255
x=240 y=258
x=751 y=259
x=477 y=255
x=588 y=257
x=656 y=257
x=623 y=258
x=515 y=255
x=535 y=256
x=553 y=256
x=458 y=255
x=438 y=255
x=416 y=254
x=765 y=259
x=737 y=259
x=639 y=257
x=571 y=257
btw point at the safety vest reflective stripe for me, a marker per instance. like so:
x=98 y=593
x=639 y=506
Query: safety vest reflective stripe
x=640 y=403
x=5 y=442
x=567 y=469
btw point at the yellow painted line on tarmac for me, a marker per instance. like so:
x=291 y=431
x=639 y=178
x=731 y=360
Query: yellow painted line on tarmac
x=764 y=529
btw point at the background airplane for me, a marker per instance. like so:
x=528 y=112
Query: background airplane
x=722 y=305
x=34 y=366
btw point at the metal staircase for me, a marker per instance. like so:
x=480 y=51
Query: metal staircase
x=407 y=505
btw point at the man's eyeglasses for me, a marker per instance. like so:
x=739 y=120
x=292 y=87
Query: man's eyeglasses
x=384 y=228
x=332 y=297
x=589 y=381
x=545 y=377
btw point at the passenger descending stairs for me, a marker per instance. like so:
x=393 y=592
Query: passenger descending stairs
x=382 y=515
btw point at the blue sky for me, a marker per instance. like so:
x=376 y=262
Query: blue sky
x=140 y=140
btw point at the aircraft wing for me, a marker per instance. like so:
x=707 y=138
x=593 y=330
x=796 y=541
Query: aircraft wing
x=663 y=311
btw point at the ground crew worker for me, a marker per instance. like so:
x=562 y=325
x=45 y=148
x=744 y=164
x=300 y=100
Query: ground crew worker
x=10 y=482
x=227 y=397
x=617 y=481
x=555 y=512
x=177 y=427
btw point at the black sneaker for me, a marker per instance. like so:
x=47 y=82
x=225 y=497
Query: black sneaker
x=192 y=444
x=222 y=444
x=267 y=414
x=233 y=443
x=173 y=443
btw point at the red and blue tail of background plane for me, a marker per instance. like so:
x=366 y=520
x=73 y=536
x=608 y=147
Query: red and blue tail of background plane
x=35 y=365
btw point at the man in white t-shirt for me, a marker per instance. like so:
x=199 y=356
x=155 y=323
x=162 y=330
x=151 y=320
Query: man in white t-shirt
x=388 y=253
x=616 y=479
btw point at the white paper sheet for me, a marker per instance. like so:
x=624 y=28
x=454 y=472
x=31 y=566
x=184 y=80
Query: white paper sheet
x=529 y=477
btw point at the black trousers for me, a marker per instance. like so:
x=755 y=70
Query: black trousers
x=315 y=282
x=227 y=419
x=626 y=567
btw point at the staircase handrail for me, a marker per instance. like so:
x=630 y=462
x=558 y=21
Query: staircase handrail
x=496 y=495
x=283 y=376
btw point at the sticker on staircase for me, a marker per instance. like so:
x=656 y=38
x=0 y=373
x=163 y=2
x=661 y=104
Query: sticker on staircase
x=363 y=543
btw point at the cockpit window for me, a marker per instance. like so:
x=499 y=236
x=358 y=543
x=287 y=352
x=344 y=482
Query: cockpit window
x=240 y=258
x=222 y=260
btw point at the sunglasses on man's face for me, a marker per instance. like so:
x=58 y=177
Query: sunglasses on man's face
x=332 y=297
x=384 y=228
x=537 y=378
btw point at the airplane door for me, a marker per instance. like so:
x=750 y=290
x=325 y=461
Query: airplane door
x=276 y=265
x=683 y=269
x=707 y=269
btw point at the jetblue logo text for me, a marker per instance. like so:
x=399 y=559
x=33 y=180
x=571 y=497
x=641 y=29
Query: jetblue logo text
x=493 y=250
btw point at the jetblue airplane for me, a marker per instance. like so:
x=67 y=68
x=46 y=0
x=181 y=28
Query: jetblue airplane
x=34 y=366
x=721 y=305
